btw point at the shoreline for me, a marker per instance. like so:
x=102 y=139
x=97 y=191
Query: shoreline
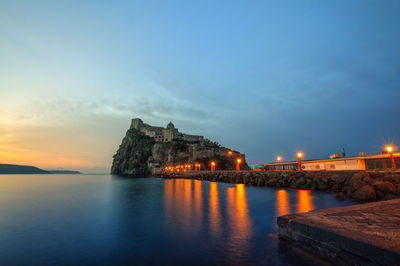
x=360 y=186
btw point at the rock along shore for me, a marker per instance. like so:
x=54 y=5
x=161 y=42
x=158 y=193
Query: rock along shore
x=357 y=185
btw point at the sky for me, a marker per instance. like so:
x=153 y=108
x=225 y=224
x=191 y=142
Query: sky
x=265 y=78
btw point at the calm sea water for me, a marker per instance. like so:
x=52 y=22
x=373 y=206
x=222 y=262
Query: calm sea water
x=107 y=220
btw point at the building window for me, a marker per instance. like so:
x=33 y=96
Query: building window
x=330 y=166
x=388 y=163
x=379 y=164
x=370 y=165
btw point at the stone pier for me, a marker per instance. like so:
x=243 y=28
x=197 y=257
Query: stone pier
x=364 y=234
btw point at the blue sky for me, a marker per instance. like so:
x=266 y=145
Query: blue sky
x=262 y=77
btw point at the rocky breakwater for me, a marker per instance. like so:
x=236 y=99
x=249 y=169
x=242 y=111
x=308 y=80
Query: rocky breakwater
x=357 y=185
x=147 y=149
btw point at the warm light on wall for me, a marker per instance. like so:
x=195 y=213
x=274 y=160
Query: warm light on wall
x=238 y=161
x=390 y=150
x=212 y=166
x=299 y=155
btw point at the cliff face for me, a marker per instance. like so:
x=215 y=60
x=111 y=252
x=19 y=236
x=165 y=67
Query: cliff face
x=140 y=154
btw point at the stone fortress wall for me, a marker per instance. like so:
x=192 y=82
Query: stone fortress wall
x=161 y=134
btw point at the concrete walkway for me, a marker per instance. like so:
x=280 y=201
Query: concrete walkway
x=367 y=234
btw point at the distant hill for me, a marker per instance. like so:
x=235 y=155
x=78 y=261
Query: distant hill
x=20 y=169
x=27 y=169
x=64 y=172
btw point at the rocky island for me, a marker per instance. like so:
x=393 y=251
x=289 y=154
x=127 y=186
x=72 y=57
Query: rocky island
x=148 y=149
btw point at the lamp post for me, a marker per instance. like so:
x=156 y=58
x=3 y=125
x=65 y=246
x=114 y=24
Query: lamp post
x=299 y=155
x=197 y=167
x=390 y=150
x=212 y=166
x=278 y=158
x=238 y=161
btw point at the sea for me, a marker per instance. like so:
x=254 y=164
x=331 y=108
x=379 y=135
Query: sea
x=111 y=220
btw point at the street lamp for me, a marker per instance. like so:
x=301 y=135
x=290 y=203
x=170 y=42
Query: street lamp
x=299 y=155
x=279 y=158
x=238 y=161
x=390 y=150
x=212 y=166
x=229 y=153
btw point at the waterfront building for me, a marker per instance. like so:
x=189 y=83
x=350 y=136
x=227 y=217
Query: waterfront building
x=379 y=162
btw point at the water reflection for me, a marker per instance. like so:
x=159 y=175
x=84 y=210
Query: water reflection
x=169 y=200
x=185 y=211
x=282 y=202
x=187 y=201
x=239 y=221
x=198 y=202
x=305 y=201
x=214 y=212
x=238 y=212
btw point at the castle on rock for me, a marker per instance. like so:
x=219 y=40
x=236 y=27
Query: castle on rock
x=161 y=134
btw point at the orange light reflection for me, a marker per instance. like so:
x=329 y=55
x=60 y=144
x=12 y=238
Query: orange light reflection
x=305 y=201
x=282 y=202
x=214 y=216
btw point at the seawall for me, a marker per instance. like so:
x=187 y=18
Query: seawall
x=358 y=185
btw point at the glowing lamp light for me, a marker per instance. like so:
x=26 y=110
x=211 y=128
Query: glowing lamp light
x=230 y=152
x=212 y=166
x=238 y=161
x=390 y=150
x=299 y=155
x=279 y=158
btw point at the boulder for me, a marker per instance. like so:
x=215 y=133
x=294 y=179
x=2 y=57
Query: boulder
x=298 y=183
x=272 y=182
x=390 y=196
x=385 y=187
x=339 y=179
x=335 y=188
x=261 y=182
x=379 y=195
x=365 y=193
x=340 y=196
x=322 y=185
